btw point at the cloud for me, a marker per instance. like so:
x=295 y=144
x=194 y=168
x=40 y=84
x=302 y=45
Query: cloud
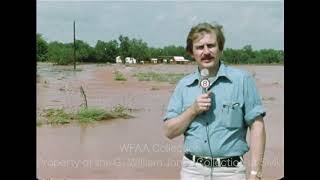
x=162 y=23
x=160 y=17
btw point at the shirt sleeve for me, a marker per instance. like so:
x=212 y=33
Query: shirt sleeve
x=175 y=104
x=252 y=101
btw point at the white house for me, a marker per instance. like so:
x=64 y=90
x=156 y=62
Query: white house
x=154 y=60
x=180 y=60
x=118 y=59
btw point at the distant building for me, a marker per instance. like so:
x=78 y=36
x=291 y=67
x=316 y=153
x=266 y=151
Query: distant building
x=118 y=59
x=154 y=60
x=179 y=60
x=130 y=60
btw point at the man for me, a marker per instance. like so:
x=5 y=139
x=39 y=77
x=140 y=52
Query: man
x=215 y=123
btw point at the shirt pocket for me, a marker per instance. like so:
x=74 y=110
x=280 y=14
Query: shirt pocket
x=232 y=115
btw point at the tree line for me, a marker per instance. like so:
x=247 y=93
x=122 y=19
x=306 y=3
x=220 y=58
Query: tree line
x=107 y=51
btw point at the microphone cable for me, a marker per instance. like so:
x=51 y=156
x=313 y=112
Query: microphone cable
x=207 y=132
x=205 y=84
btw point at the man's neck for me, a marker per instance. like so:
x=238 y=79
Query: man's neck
x=214 y=70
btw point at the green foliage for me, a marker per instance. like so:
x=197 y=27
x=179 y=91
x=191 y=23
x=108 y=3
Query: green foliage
x=124 y=46
x=119 y=76
x=248 y=56
x=119 y=111
x=175 y=51
x=106 y=51
x=42 y=48
x=165 y=77
x=83 y=115
x=138 y=49
x=154 y=88
x=133 y=48
x=57 y=116
x=82 y=50
x=87 y=115
x=154 y=52
x=60 y=53
x=39 y=122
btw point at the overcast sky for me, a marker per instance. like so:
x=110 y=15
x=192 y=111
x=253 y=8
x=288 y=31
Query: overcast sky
x=162 y=23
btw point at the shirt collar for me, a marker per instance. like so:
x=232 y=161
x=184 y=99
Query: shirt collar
x=222 y=72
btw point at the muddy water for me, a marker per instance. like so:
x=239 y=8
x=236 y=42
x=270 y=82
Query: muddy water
x=133 y=148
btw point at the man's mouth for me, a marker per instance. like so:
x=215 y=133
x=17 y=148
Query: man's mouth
x=207 y=59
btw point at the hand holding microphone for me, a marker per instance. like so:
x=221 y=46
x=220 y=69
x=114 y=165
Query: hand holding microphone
x=203 y=102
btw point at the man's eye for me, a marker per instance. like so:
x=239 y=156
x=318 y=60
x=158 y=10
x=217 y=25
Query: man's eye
x=199 y=47
x=211 y=45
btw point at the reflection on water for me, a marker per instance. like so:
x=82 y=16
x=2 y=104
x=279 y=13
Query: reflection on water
x=82 y=133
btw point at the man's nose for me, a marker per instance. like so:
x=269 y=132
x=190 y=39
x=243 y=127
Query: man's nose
x=206 y=50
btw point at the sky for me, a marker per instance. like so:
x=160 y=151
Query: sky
x=162 y=23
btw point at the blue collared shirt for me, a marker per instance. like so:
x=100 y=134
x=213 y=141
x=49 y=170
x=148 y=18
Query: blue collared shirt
x=235 y=103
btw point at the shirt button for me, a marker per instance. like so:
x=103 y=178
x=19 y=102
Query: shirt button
x=205 y=141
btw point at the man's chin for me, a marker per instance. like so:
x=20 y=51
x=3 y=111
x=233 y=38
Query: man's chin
x=207 y=65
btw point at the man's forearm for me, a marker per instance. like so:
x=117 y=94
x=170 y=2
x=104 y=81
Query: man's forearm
x=177 y=126
x=257 y=144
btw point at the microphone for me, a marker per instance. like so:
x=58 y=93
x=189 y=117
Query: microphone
x=204 y=83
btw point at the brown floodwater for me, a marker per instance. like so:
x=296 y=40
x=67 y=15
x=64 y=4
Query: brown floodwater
x=133 y=148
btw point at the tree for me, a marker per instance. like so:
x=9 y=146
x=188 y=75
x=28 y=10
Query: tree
x=154 y=52
x=106 y=51
x=231 y=56
x=175 y=51
x=269 y=56
x=124 y=46
x=135 y=48
x=111 y=51
x=138 y=49
x=42 y=48
x=281 y=56
x=250 y=54
x=82 y=50
x=60 y=53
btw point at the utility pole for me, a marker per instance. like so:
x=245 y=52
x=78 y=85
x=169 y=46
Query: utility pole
x=74 y=45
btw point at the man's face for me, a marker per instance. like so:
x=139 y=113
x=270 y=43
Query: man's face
x=206 y=51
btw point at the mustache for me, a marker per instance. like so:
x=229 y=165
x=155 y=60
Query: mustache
x=207 y=57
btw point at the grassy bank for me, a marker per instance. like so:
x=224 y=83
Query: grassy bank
x=161 y=77
x=83 y=115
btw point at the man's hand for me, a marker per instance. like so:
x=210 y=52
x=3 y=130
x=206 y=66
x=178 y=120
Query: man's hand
x=257 y=144
x=202 y=103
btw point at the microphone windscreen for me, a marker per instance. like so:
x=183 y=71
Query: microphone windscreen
x=204 y=72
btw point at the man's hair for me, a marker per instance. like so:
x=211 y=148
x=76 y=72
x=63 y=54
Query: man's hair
x=201 y=29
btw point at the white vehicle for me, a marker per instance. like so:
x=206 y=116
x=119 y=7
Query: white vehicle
x=130 y=60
